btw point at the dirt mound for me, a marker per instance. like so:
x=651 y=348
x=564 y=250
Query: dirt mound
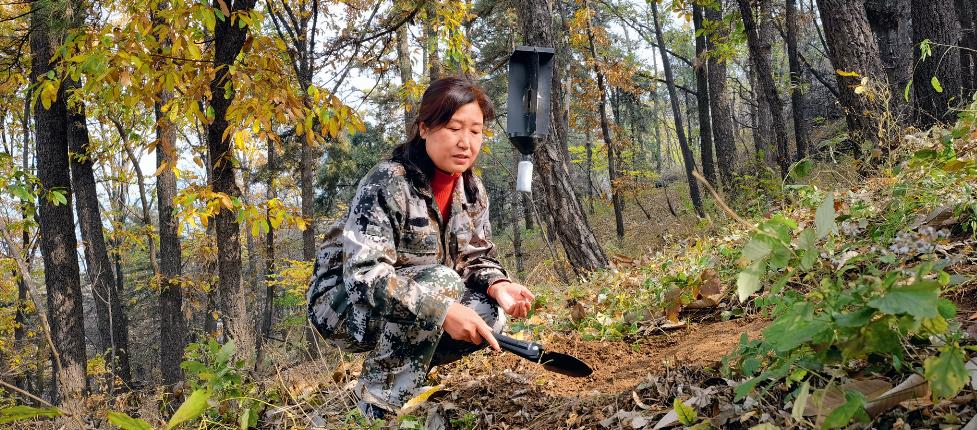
x=505 y=388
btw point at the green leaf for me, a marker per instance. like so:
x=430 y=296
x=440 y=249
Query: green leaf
x=801 y=169
x=748 y=281
x=824 y=218
x=920 y=300
x=191 y=408
x=935 y=82
x=796 y=327
x=248 y=418
x=854 y=408
x=686 y=415
x=126 y=422
x=756 y=249
x=20 y=413
x=947 y=374
x=905 y=93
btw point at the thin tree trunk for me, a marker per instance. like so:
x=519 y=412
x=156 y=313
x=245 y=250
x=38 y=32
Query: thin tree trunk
x=173 y=326
x=110 y=315
x=57 y=224
x=147 y=220
x=514 y=219
x=853 y=49
x=759 y=53
x=677 y=113
x=608 y=141
x=268 y=307
x=937 y=21
x=20 y=318
x=231 y=294
x=796 y=95
x=702 y=100
x=432 y=60
x=406 y=72
x=719 y=105
x=571 y=226
x=590 y=168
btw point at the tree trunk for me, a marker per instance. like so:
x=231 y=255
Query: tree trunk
x=514 y=219
x=608 y=141
x=110 y=315
x=967 y=12
x=891 y=21
x=432 y=60
x=589 y=145
x=937 y=21
x=231 y=294
x=702 y=100
x=268 y=308
x=677 y=114
x=406 y=74
x=760 y=54
x=719 y=105
x=172 y=325
x=796 y=94
x=571 y=225
x=57 y=224
x=853 y=49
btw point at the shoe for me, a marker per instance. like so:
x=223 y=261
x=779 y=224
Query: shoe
x=373 y=412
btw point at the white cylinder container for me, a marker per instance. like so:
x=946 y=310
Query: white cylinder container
x=524 y=178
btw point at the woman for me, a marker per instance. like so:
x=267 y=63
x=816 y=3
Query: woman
x=410 y=273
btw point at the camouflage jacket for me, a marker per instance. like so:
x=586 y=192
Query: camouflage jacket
x=393 y=223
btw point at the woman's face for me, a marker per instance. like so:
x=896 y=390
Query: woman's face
x=454 y=146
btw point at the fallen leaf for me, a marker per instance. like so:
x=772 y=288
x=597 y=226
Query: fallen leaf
x=673 y=325
x=703 y=303
x=577 y=312
x=826 y=400
x=913 y=388
x=426 y=393
x=973 y=317
x=637 y=401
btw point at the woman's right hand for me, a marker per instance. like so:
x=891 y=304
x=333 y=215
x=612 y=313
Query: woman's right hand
x=464 y=324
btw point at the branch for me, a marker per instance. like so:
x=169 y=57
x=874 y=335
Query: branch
x=643 y=30
x=381 y=33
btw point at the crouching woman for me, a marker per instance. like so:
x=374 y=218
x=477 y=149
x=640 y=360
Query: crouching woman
x=410 y=274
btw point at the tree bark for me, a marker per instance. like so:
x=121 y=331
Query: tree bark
x=760 y=54
x=57 y=224
x=967 y=12
x=677 y=114
x=231 y=294
x=110 y=315
x=719 y=105
x=432 y=60
x=702 y=100
x=937 y=21
x=852 y=48
x=571 y=225
x=589 y=145
x=268 y=307
x=605 y=130
x=891 y=21
x=796 y=76
x=173 y=326
x=406 y=72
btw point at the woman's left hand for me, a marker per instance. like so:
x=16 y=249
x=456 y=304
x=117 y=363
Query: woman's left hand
x=515 y=299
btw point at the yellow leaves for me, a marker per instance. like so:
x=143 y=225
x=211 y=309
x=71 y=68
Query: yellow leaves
x=49 y=92
x=847 y=74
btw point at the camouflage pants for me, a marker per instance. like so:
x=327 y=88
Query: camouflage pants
x=403 y=349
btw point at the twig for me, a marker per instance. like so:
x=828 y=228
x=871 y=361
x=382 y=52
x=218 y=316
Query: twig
x=25 y=393
x=720 y=201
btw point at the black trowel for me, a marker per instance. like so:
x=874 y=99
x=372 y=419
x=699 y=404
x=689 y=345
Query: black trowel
x=552 y=361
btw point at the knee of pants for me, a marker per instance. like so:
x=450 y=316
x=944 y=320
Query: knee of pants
x=438 y=278
x=485 y=307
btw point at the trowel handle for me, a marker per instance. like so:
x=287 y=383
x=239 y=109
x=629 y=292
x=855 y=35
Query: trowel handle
x=529 y=350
